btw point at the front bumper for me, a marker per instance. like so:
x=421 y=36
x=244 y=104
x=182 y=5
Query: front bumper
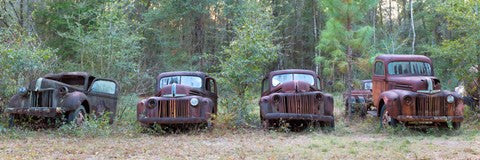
x=178 y=120
x=295 y=116
x=36 y=111
x=429 y=118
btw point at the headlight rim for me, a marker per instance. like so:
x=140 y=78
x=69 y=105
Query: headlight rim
x=194 y=102
x=450 y=99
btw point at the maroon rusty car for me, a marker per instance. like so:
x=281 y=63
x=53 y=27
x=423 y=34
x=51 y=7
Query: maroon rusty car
x=294 y=95
x=70 y=94
x=361 y=99
x=181 y=98
x=406 y=90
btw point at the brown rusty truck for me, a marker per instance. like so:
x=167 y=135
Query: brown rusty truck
x=72 y=95
x=294 y=96
x=406 y=90
x=360 y=100
x=181 y=98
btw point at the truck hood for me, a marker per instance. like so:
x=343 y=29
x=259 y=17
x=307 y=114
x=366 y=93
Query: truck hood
x=414 y=83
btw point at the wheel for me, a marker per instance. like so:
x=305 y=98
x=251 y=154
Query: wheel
x=456 y=125
x=11 y=121
x=266 y=124
x=385 y=119
x=77 y=117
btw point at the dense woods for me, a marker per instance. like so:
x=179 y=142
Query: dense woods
x=236 y=41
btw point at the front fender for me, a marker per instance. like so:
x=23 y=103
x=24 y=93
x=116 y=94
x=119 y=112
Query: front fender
x=391 y=101
x=328 y=103
x=72 y=100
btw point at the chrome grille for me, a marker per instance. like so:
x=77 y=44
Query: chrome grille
x=173 y=108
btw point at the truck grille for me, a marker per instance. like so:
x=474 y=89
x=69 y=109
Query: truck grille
x=173 y=108
x=42 y=98
x=300 y=104
x=431 y=106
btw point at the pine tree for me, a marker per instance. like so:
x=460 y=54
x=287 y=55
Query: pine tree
x=343 y=35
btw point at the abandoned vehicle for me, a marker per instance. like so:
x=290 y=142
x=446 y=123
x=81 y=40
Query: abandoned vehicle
x=180 y=98
x=406 y=90
x=70 y=96
x=294 y=96
x=360 y=100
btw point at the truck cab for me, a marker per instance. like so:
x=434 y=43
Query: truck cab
x=406 y=90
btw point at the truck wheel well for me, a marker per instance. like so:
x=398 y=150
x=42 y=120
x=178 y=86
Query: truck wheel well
x=86 y=106
x=380 y=105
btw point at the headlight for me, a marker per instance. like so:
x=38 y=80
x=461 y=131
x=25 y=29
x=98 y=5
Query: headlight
x=194 y=101
x=22 y=91
x=151 y=103
x=408 y=100
x=450 y=99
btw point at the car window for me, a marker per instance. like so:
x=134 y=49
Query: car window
x=265 y=85
x=103 y=86
x=282 y=78
x=409 y=68
x=367 y=85
x=192 y=81
x=211 y=85
x=379 y=69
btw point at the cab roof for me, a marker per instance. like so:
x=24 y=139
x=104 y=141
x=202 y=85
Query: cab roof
x=182 y=73
x=58 y=75
x=287 y=71
x=402 y=57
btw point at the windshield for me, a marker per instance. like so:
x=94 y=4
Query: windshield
x=367 y=85
x=409 y=68
x=192 y=81
x=282 y=78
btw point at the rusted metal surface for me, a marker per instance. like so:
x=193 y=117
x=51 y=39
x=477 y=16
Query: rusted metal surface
x=295 y=99
x=56 y=95
x=414 y=97
x=172 y=103
x=360 y=99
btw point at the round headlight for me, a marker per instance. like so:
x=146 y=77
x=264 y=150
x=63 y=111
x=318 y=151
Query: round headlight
x=450 y=99
x=408 y=100
x=194 y=101
x=151 y=103
x=22 y=90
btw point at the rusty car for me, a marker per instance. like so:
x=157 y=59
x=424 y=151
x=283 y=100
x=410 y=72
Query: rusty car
x=360 y=101
x=406 y=90
x=69 y=96
x=294 y=96
x=180 y=98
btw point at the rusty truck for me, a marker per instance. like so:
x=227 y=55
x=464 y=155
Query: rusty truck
x=70 y=96
x=406 y=90
x=180 y=98
x=294 y=96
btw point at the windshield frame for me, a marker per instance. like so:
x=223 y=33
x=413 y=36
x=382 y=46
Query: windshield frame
x=387 y=68
x=292 y=75
x=159 y=80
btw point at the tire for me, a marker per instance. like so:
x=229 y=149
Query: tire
x=11 y=121
x=456 y=125
x=77 y=117
x=392 y=122
x=266 y=124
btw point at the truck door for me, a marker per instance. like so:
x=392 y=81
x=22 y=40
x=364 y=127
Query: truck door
x=379 y=81
x=102 y=95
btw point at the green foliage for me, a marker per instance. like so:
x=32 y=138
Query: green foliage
x=246 y=58
x=21 y=59
x=461 y=51
x=112 y=47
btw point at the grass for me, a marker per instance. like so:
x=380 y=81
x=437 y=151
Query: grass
x=125 y=139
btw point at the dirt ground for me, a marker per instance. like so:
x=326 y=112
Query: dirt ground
x=245 y=144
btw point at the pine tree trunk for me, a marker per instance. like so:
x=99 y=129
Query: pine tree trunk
x=413 y=27
x=349 y=80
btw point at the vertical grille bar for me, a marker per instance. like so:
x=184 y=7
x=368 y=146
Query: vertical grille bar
x=299 y=104
x=430 y=106
x=174 y=108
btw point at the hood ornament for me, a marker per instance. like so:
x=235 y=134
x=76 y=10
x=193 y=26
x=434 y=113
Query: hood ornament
x=174 y=89
x=429 y=88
